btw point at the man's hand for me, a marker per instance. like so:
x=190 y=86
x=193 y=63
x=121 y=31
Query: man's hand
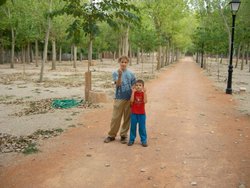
x=119 y=72
x=119 y=81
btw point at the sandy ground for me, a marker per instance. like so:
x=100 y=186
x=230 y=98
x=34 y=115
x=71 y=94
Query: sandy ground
x=65 y=82
x=197 y=138
x=241 y=79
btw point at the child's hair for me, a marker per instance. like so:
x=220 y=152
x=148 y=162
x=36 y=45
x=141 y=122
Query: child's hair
x=123 y=57
x=140 y=81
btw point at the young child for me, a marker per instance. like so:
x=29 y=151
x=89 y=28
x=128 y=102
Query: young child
x=138 y=100
x=124 y=80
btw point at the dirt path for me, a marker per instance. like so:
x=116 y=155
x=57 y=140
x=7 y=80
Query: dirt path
x=195 y=137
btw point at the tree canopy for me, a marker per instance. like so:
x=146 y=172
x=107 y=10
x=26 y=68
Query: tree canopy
x=178 y=26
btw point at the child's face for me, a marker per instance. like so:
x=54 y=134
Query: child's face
x=138 y=86
x=123 y=64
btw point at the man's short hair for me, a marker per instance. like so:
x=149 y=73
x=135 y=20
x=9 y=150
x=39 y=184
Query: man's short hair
x=123 y=57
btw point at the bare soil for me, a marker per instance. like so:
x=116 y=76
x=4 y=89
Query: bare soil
x=218 y=72
x=197 y=138
x=18 y=86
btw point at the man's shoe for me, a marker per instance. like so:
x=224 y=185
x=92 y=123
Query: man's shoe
x=109 y=139
x=144 y=144
x=124 y=140
x=130 y=143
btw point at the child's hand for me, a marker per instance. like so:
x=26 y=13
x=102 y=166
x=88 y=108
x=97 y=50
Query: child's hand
x=144 y=90
x=133 y=89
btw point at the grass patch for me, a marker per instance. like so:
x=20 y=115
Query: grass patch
x=32 y=148
x=59 y=130
x=4 y=98
x=48 y=132
x=68 y=119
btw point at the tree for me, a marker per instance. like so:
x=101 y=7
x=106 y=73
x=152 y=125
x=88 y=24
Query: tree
x=88 y=14
x=11 y=18
x=45 y=50
x=166 y=16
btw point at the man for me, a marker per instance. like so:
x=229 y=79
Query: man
x=124 y=80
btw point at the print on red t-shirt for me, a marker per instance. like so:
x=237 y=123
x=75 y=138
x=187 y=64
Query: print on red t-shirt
x=138 y=106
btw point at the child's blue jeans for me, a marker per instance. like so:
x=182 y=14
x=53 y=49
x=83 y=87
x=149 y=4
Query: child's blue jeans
x=141 y=120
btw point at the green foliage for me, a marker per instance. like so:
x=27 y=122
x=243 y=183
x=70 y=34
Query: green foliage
x=216 y=29
x=2 y=2
x=169 y=21
x=88 y=15
x=107 y=40
x=31 y=149
x=183 y=24
x=243 y=23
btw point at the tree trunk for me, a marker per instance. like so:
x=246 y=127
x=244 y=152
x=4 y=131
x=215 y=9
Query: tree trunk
x=75 y=55
x=23 y=55
x=169 y=55
x=228 y=30
x=2 y=55
x=120 y=47
x=81 y=56
x=142 y=63
x=71 y=53
x=238 y=55
x=88 y=82
x=247 y=49
x=138 y=56
x=205 y=61
x=60 y=54
x=28 y=53
x=163 y=56
x=114 y=54
x=177 y=55
x=166 y=57
x=172 y=55
x=36 y=53
x=45 y=50
x=90 y=53
x=159 y=59
x=249 y=68
x=202 y=55
x=218 y=70
x=197 y=57
x=53 y=54
x=23 y=58
x=130 y=54
x=126 y=44
x=153 y=58
x=142 y=59
x=242 y=59
x=31 y=54
x=13 y=41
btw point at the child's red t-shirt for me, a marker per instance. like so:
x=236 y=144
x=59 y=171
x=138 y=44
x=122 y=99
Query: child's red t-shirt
x=138 y=106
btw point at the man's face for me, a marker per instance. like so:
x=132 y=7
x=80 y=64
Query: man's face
x=123 y=64
x=138 y=86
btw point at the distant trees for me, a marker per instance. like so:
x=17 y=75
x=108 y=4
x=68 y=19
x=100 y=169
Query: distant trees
x=81 y=27
x=213 y=32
